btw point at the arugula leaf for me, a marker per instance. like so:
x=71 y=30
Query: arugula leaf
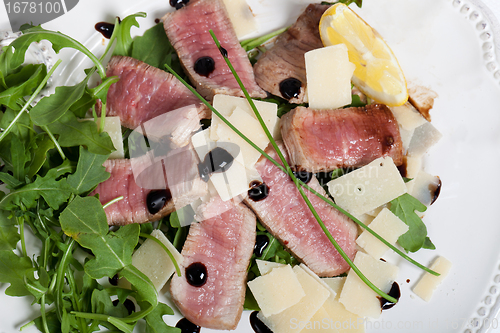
x=428 y=244
x=153 y=47
x=22 y=84
x=55 y=192
x=58 y=41
x=49 y=109
x=123 y=37
x=13 y=270
x=9 y=235
x=22 y=128
x=18 y=157
x=85 y=221
x=155 y=323
x=39 y=147
x=85 y=133
x=404 y=207
x=89 y=172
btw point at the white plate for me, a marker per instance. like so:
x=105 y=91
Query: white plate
x=447 y=45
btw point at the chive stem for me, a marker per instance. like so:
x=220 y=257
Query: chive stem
x=171 y=256
x=252 y=43
x=112 y=202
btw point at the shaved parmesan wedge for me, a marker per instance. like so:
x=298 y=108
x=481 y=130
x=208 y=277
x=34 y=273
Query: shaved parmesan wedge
x=407 y=116
x=424 y=187
x=288 y=320
x=152 y=260
x=428 y=283
x=235 y=180
x=241 y=16
x=226 y=104
x=423 y=138
x=369 y=187
x=328 y=74
x=336 y=284
x=251 y=128
x=356 y=296
x=387 y=225
x=266 y=266
x=318 y=279
x=413 y=166
x=333 y=317
x=277 y=290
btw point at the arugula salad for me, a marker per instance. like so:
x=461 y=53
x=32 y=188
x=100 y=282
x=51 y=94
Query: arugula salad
x=51 y=161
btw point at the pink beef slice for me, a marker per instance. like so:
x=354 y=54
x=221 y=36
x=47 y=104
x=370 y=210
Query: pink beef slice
x=182 y=187
x=145 y=92
x=285 y=59
x=287 y=217
x=324 y=140
x=188 y=32
x=223 y=242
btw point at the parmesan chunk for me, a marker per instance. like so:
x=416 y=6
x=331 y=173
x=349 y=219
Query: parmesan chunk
x=369 y=187
x=266 y=266
x=251 y=128
x=328 y=75
x=428 y=283
x=423 y=138
x=423 y=187
x=332 y=316
x=226 y=104
x=152 y=260
x=241 y=17
x=235 y=180
x=407 y=116
x=387 y=225
x=277 y=290
x=288 y=320
x=356 y=296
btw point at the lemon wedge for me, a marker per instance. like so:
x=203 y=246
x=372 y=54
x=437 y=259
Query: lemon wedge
x=377 y=73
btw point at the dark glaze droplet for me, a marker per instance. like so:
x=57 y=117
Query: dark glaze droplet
x=178 y=4
x=114 y=280
x=106 y=29
x=261 y=242
x=157 y=199
x=187 y=327
x=204 y=66
x=290 y=88
x=257 y=324
x=258 y=191
x=223 y=51
x=403 y=168
x=157 y=21
x=217 y=160
x=435 y=190
x=303 y=175
x=196 y=274
x=394 y=292
x=129 y=305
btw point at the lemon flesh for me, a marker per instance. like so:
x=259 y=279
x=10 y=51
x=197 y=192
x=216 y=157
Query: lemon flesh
x=377 y=73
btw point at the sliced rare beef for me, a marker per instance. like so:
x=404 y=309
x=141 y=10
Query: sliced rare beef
x=324 y=140
x=281 y=70
x=286 y=216
x=211 y=291
x=188 y=32
x=146 y=194
x=145 y=92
